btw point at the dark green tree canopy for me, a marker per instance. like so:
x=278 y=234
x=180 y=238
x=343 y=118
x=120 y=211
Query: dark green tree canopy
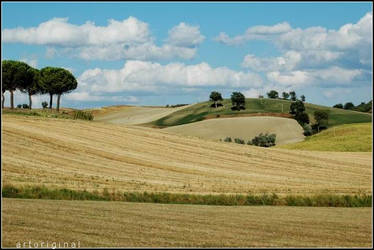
x=349 y=105
x=238 y=100
x=321 y=116
x=285 y=95
x=339 y=106
x=273 y=94
x=302 y=98
x=32 y=83
x=293 y=95
x=302 y=118
x=57 y=80
x=15 y=74
x=215 y=96
x=297 y=107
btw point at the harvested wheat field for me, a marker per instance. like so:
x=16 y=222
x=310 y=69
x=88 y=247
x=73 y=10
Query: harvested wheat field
x=287 y=130
x=132 y=114
x=88 y=155
x=116 y=224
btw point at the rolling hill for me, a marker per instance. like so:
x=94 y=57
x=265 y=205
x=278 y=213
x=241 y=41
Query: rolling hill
x=344 y=138
x=79 y=155
x=256 y=106
x=132 y=114
x=287 y=130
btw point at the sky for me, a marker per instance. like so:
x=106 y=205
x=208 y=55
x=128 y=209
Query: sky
x=158 y=53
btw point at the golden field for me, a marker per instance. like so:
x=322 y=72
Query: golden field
x=121 y=224
x=246 y=128
x=81 y=155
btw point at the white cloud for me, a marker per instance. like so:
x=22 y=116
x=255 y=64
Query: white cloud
x=126 y=39
x=146 y=77
x=185 y=35
x=58 y=31
x=286 y=62
x=293 y=78
x=330 y=93
x=253 y=33
x=252 y=93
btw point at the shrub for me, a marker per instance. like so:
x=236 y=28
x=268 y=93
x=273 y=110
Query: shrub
x=25 y=106
x=307 y=130
x=19 y=106
x=264 y=140
x=239 y=141
x=227 y=139
x=45 y=105
x=302 y=118
x=79 y=114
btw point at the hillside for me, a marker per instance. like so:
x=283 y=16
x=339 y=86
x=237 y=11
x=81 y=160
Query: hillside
x=203 y=110
x=287 y=130
x=92 y=155
x=345 y=138
x=132 y=114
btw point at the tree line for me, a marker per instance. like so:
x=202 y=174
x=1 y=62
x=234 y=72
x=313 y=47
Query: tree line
x=297 y=109
x=48 y=80
x=362 y=107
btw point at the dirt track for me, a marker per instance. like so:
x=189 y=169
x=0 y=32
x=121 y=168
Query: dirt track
x=94 y=155
x=287 y=130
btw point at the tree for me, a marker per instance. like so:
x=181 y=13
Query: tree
x=302 y=118
x=349 y=105
x=31 y=85
x=285 y=95
x=272 y=94
x=57 y=81
x=238 y=101
x=321 y=118
x=215 y=97
x=338 y=106
x=293 y=95
x=297 y=108
x=14 y=75
x=302 y=97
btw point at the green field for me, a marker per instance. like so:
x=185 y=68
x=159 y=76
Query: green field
x=200 y=111
x=343 y=138
x=122 y=224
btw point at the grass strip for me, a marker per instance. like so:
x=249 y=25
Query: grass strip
x=321 y=200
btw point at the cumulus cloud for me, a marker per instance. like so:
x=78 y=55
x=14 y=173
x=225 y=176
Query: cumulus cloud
x=315 y=55
x=185 y=35
x=149 y=77
x=286 y=62
x=256 y=32
x=126 y=39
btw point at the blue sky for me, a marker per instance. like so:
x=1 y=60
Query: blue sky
x=168 y=53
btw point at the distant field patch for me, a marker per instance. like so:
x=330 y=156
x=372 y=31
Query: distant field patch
x=246 y=128
x=343 y=138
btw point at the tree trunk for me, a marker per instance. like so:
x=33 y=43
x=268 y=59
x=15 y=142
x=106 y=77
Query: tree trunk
x=11 y=99
x=30 y=101
x=58 y=102
x=215 y=103
x=50 y=100
x=2 y=101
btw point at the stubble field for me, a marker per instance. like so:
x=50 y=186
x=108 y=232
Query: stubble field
x=92 y=155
